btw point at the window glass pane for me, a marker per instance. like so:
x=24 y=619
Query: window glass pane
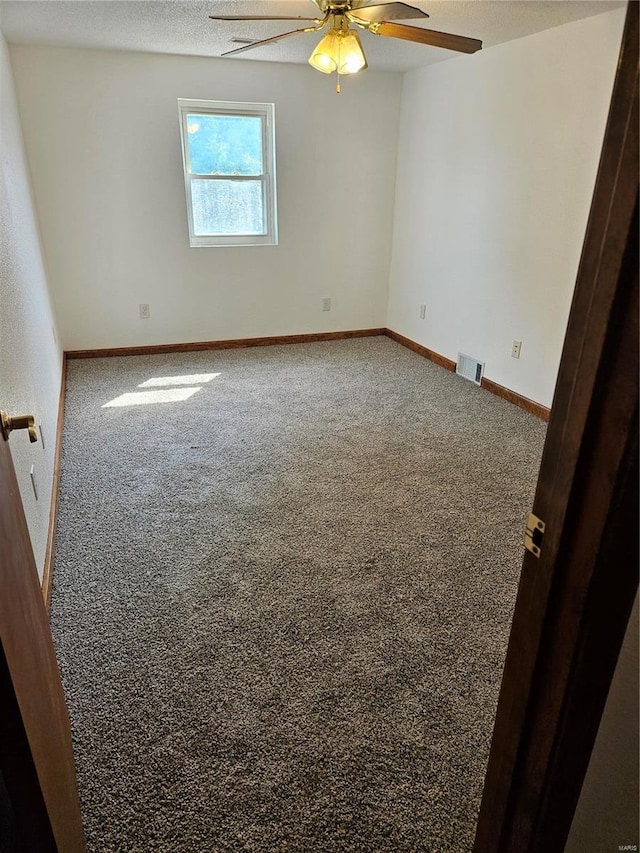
x=227 y=207
x=225 y=145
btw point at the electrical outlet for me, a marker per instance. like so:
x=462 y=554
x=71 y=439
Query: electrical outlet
x=144 y=311
x=515 y=349
x=423 y=312
x=326 y=303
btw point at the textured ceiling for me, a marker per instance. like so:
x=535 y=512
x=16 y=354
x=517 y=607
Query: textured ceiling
x=184 y=27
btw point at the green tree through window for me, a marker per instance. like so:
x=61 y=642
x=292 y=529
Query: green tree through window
x=225 y=145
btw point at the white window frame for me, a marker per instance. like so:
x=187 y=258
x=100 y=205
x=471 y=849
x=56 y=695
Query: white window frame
x=267 y=113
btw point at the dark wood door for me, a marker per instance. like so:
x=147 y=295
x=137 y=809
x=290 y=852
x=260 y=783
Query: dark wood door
x=40 y=801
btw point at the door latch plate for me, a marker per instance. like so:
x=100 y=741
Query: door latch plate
x=534 y=535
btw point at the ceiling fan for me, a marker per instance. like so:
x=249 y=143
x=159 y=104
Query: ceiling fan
x=340 y=49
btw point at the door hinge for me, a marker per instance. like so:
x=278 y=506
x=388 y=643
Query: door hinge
x=534 y=534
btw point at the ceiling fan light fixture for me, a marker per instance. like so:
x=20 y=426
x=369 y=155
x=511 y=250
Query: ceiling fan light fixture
x=352 y=58
x=326 y=53
x=339 y=50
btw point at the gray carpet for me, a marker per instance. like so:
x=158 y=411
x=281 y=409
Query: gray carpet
x=281 y=606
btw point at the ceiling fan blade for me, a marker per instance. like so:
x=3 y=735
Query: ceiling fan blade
x=385 y=12
x=262 y=18
x=423 y=36
x=269 y=41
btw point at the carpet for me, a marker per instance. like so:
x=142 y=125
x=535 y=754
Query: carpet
x=281 y=601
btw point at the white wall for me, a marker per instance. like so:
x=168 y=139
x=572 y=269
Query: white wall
x=103 y=143
x=30 y=358
x=497 y=159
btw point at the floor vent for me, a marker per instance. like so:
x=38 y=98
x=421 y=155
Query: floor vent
x=470 y=368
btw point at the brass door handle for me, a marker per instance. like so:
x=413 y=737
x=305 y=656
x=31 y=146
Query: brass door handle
x=9 y=423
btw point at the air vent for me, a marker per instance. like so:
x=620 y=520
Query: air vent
x=470 y=368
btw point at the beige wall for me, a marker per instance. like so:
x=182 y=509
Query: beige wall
x=497 y=159
x=103 y=142
x=30 y=356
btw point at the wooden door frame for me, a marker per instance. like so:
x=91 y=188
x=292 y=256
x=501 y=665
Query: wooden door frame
x=36 y=751
x=574 y=602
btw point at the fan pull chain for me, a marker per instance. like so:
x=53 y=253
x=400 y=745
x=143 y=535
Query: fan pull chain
x=338 y=86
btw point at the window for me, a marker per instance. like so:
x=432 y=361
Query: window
x=229 y=172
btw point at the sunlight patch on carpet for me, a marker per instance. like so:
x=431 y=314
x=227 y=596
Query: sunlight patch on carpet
x=186 y=379
x=146 y=398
